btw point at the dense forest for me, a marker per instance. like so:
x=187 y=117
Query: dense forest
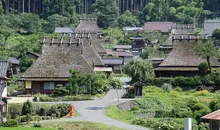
x=21 y=32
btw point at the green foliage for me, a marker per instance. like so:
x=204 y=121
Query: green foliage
x=127 y=19
x=214 y=77
x=46 y=98
x=116 y=83
x=216 y=34
x=14 y=110
x=203 y=68
x=10 y=123
x=27 y=108
x=159 y=81
x=62 y=91
x=54 y=21
x=178 y=89
x=179 y=11
x=107 y=12
x=151 y=89
x=187 y=81
x=139 y=70
x=65 y=8
x=206 y=50
x=202 y=93
x=167 y=87
x=215 y=104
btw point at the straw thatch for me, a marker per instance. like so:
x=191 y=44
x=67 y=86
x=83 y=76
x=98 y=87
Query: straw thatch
x=184 y=58
x=57 y=58
x=88 y=25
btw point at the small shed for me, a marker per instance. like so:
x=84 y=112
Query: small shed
x=138 y=88
x=214 y=120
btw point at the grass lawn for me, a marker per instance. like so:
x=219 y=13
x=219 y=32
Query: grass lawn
x=79 y=125
x=22 y=128
x=65 y=125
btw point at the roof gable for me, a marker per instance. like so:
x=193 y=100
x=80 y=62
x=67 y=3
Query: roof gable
x=88 y=25
x=57 y=59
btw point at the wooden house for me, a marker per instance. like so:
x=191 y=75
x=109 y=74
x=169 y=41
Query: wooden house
x=139 y=44
x=182 y=60
x=214 y=120
x=52 y=67
x=14 y=65
x=5 y=72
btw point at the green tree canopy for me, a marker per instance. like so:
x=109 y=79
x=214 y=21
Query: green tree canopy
x=206 y=50
x=139 y=70
x=107 y=12
x=127 y=19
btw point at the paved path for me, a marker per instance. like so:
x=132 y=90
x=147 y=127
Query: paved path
x=94 y=111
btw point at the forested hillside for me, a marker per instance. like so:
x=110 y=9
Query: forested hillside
x=21 y=32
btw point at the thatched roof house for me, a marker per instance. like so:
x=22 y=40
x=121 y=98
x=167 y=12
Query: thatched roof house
x=52 y=67
x=182 y=60
x=89 y=25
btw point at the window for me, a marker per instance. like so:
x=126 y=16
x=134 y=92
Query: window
x=49 y=85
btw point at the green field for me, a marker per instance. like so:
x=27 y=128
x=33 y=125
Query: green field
x=22 y=128
x=158 y=106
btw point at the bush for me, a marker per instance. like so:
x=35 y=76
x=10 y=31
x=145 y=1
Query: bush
x=159 y=81
x=135 y=108
x=178 y=89
x=62 y=91
x=143 y=122
x=214 y=104
x=27 y=108
x=203 y=68
x=10 y=123
x=202 y=93
x=187 y=81
x=166 y=87
x=174 y=93
x=14 y=110
x=151 y=89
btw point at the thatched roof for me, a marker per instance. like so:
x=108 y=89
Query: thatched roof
x=90 y=54
x=57 y=58
x=183 y=57
x=88 y=25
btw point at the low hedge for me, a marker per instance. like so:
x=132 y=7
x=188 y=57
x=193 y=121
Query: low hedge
x=10 y=123
x=47 y=98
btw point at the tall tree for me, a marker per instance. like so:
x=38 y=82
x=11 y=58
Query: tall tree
x=139 y=70
x=206 y=50
x=127 y=19
x=107 y=12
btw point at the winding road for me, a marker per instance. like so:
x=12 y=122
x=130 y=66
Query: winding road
x=94 y=111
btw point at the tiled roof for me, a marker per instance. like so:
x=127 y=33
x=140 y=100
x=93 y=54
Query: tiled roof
x=112 y=61
x=63 y=30
x=13 y=60
x=3 y=69
x=210 y=26
x=159 y=26
x=212 y=116
x=123 y=46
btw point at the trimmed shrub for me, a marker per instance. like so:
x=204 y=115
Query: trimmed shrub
x=10 y=123
x=151 y=89
x=62 y=91
x=27 y=108
x=167 y=87
x=187 y=81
